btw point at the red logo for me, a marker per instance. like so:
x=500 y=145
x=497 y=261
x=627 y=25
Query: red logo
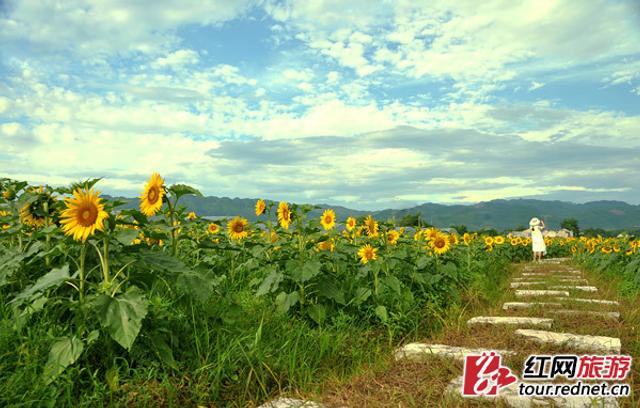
x=484 y=375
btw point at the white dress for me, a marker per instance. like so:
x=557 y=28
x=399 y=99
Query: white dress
x=537 y=240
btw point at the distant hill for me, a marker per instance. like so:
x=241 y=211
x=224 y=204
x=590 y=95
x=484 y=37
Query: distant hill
x=498 y=214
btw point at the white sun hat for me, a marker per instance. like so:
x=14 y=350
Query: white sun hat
x=534 y=222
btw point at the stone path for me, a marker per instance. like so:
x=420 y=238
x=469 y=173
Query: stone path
x=561 y=315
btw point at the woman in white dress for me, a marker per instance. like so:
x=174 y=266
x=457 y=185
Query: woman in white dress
x=537 y=240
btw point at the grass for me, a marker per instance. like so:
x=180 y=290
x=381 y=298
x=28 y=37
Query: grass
x=422 y=383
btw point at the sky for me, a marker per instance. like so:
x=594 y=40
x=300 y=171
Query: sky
x=370 y=105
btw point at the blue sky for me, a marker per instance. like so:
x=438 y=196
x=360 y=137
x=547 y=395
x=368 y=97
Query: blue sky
x=364 y=104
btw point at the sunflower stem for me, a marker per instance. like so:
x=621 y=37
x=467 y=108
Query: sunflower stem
x=47 y=258
x=172 y=218
x=105 y=261
x=83 y=255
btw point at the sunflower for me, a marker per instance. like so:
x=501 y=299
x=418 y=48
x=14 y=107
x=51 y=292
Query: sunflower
x=514 y=241
x=27 y=217
x=371 y=226
x=616 y=248
x=351 y=223
x=327 y=245
x=367 y=253
x=574 y=249
x=453 y=239
x=606 y=250
x=629 y=252
x=284 y=214
x=467 y=238
x=440 y=244
x=499 y=240
x=418 y=235
x=84 y=214
x=151 y=197
x=213 y=228
x=392 y=237
x=328 y=219
x=192 y=216
x=489 y=248
x=260 y=207
x=34 y=214
x=237 y=228
x=488 y=241
x=430 y=233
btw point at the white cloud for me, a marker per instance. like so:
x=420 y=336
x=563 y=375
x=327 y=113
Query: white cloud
x=177 y=59
x=535 y=85
x=94 y=27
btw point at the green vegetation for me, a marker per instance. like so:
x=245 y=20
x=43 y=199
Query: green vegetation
x=162 y=308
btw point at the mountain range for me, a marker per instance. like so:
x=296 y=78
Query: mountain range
x=499 y=214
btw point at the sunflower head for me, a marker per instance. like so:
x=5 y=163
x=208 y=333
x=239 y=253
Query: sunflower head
x=351 y=224
x=237 y=228
x=284 y=214
x=260 y=207
x=430 y=233
x=84 y=214
x=328 y=219
x=499 y=240
x=488 y=241
x=440 y=244
x=371 y=226
x=191 y=216
x=35 y=213
x=151 y=197
x=367 y=253
x=392 y=237
x=213 y=228
x=327 y=245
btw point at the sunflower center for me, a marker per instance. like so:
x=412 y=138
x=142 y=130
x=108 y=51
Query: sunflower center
x=87 y=216
x=153 y=195
x=327 y=219
x=238 y=228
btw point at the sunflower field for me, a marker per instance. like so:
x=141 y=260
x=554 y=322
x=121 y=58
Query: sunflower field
x=611 y=257
x=98 y=302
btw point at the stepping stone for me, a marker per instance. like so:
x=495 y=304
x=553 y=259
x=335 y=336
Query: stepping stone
x=550 y=273
x=573 y=280
x=511 y=321
x=525 y=284
x=526 y=293
x=598 y=301
x=416 y=351
x=510 y=396
x=525 y=305
x=606 y=315
x=576 y=341
x=582 y=288
x=290 y=403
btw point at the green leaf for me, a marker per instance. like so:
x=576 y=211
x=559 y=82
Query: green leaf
x=284 y=301
x=122 y=316
x=270 y=283
x=308 y=271
x=326 y=288
x=381 y=312
x=178 y=190
x=126 y=236
x=163 y=351
x=54 y=278
x=362 y=294
x=63 y=353
x=317 y=312
x=392 y=283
